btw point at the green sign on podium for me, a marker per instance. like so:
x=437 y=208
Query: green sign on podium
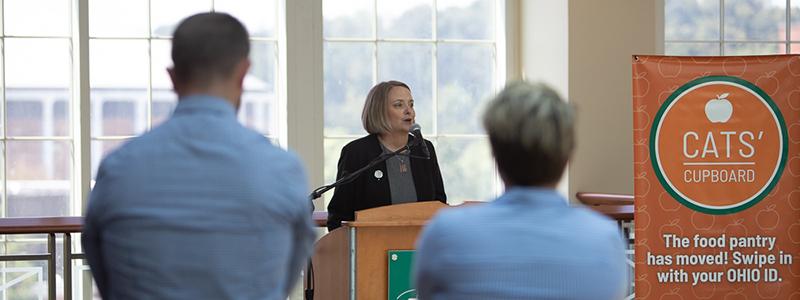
x=400 y=284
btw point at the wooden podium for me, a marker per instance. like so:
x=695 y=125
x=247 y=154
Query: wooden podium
x=351 y=261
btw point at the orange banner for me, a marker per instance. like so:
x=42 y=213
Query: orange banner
x=717 y=177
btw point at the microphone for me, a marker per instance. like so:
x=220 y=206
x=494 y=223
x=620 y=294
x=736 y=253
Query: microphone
x=416 y=131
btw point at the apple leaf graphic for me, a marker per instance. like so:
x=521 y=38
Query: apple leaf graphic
x=725 y=95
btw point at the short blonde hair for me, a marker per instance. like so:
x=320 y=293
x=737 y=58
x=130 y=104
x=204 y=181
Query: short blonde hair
x=374 y=115
x=531 y=130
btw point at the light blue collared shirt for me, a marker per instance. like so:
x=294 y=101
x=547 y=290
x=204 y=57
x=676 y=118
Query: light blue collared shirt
x=527 y=244
x=198 y=208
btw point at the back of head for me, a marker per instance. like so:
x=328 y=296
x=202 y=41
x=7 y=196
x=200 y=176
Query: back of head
x=531 y=131
x=208 y=46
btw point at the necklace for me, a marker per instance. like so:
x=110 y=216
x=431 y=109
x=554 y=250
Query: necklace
x=403 y=166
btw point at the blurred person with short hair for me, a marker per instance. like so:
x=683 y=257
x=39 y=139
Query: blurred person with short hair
x=200 y=207
x=528 y=243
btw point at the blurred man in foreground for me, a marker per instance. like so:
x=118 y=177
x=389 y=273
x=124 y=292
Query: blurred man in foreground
x=200 y=207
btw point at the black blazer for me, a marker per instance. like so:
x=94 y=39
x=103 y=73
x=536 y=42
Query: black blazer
x=366 y=191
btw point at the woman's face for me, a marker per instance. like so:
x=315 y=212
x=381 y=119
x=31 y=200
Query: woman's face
x=401 y=109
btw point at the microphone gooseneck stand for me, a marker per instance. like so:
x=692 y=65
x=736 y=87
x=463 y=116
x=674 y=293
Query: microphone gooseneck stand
x=309 y=289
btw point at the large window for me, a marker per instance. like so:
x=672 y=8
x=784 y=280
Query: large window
x=446 y=50
x=731 y=27
x=129 y=93
x=130 y=51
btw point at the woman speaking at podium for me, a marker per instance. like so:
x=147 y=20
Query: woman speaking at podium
x=387 y=116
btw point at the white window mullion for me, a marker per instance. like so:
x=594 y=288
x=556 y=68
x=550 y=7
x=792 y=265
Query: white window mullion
x=80 y=107
x=4 y=207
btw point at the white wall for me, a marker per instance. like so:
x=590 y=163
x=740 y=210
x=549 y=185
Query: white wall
x=583 y=49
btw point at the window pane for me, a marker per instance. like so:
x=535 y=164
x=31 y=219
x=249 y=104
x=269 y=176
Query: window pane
x=35 y=85
x=794 y=48
x=754 y=48
x=39 y=178
x=795 y=27
x=258 y=112
x=37 y=17
x=25 y=117
x=120 y=117
x=164 y=99
x=348 y=78
x=259 y=16
x=163 y=105
x=348 y=18
x=463 y=88
x=411 y=63
x=467 y=169
x=333 y=148
x=61 y=121
x=405 y=19
x=37 y=63
x=165 y=15
x=691 y=20
x=99 y=151
x=25 y=279
x=459 y=19
x=118 y=18
x=692 y=49
x=119 y=75
x=259 y=102
x=765 y=20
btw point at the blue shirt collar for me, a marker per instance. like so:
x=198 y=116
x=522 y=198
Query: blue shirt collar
x=204 y=103
x=538 y=196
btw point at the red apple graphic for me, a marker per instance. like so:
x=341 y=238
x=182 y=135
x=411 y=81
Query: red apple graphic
x=768 y=218
x=719 y=110
x=794 y=232
x=704 y=291
x=794 y=296
x=794 y=268
x=794 y=133
x=641 y=245
x=774 y=191
x=642 y=86
x=766 y=58
x=768 y=290
x=665 y=94
x=672 y=227
x=701 y=221
x=736 y=294
x=672 y=295
x=794 y=199
x=768 y=83
x=640 y=152
x=794 y=166
x=640 y=118
x=669 y=67
x=794 y=66
x=641 y=185
x=737 y=228
x=704 y=74
x=734 y=66
x=668 y=203
x=642 y=217
x=793 y=99
x=642 y=286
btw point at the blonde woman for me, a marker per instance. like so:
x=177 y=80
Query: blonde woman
x=387 y=116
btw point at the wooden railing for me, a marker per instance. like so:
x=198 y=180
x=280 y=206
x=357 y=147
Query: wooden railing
x=616 y=206
x=49 y=226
